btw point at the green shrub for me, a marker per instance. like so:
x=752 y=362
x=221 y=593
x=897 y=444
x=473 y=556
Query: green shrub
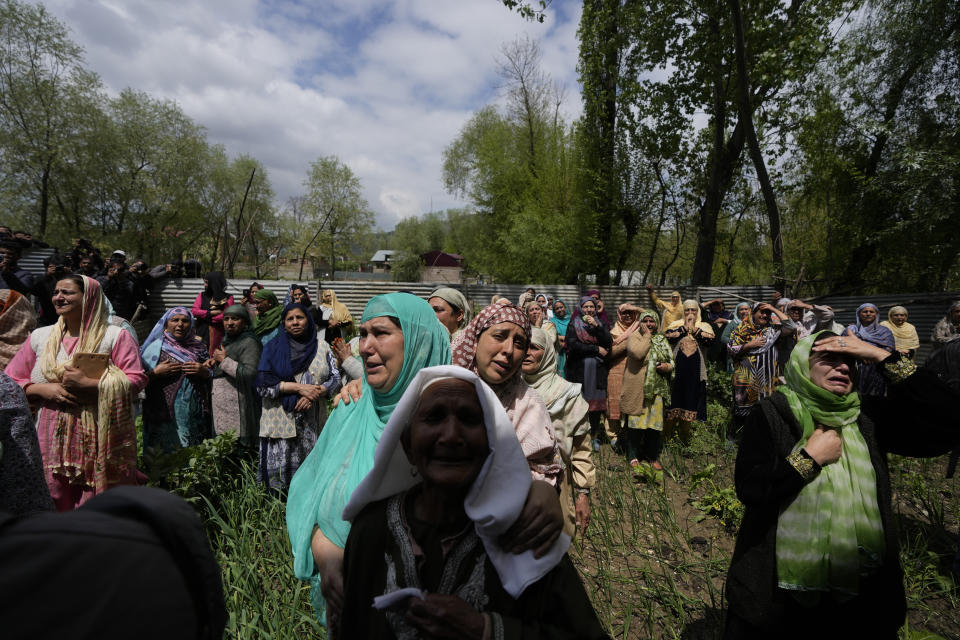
x=206 y=469
x=719 y=385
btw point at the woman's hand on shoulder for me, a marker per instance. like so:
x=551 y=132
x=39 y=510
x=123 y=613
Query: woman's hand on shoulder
x=350 y=392
x=444 y=616
x=540 y=523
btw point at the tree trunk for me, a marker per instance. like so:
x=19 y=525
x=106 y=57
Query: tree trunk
x=44 y=198
x=661 y=219
x=721 y=165
x=753 y=144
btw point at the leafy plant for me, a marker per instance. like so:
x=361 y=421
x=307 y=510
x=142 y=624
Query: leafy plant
x=719 y=502
x=194 y=472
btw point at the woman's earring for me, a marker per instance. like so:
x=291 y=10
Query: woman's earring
x=413 y=471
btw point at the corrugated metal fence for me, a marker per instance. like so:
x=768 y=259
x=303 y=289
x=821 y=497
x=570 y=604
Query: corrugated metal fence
x=356 y=294
x=925 y=310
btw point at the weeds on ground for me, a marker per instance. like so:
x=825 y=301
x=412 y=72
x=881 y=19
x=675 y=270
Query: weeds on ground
x=653 y=561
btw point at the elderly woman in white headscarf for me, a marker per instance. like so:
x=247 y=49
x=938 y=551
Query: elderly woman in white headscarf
x=568 y=411
x=448 y=480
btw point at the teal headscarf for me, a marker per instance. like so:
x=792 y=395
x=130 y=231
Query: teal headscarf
x=831 y=533
x=344 y=451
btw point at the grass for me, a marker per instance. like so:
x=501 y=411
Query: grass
x=653 y=561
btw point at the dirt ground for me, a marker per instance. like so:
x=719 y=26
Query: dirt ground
x=654 y=564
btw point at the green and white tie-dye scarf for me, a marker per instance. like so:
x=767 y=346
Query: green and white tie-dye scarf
x=831 y=533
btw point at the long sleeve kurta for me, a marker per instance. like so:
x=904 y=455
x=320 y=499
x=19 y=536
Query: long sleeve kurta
x=766 y=482
x=637 y=346
x=236 y=405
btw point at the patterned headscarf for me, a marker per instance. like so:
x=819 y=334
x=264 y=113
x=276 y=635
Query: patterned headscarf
x=465 y=346
x=580 y=326
x=188 y=349
x=655 y=383
x=17 y=320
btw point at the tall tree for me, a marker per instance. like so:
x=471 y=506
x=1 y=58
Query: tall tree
x=335 y=205
x=43 y=86
x=680 y=62
x=515 y=166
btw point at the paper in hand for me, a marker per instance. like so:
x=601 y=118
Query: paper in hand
x=394 y=598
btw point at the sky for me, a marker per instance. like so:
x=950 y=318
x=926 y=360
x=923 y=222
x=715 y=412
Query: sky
x=384 y=86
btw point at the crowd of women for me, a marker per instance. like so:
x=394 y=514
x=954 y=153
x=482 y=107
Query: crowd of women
x=446 y=485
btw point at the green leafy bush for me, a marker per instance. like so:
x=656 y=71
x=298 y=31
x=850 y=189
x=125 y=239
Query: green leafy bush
x=719 y=385
x=202 y=470
x=717 y=501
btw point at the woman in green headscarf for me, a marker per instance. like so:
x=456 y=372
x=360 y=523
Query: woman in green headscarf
x=236 y=406
x=817 y=552
x=267 y=323
x=399 y=335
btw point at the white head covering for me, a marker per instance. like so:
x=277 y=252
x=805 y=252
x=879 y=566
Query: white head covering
x=497 y=496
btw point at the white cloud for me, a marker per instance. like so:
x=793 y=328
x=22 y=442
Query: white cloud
x=383 y=85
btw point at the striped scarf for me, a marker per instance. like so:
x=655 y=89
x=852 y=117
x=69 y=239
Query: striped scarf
x=831 y=533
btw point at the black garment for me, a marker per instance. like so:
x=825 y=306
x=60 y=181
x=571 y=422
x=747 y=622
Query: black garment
x=17 y=279
x=133 y=562
x=43 y=293
x=688 y=396
x=917 y=418
x=643 y=444
x=554 y=607
x=119 y=291
x=578 y=351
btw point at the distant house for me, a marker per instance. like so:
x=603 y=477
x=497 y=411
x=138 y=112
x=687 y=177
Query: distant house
x=441 y=267
x=381 y=260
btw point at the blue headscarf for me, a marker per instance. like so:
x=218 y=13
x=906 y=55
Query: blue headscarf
x=187 y=350
x=874 y=333
x=285 y=356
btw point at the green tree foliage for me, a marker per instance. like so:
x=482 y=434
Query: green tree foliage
x=880 y=152
x=515 y=165
x=44 y=91
x=334 y=209
x=652 y=71
x=129 y=170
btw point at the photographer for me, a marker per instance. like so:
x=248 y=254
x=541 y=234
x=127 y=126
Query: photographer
x=118 y=289
x=170 y=270
x=12 y=276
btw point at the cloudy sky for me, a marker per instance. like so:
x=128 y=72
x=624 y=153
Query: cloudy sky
x=385 y=86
